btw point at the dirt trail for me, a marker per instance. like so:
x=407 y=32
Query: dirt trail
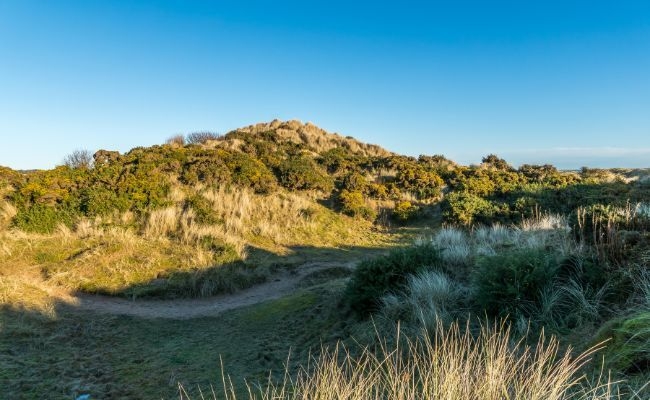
x=277 y=286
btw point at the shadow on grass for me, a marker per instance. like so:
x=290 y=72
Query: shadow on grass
x=56 y=350
x=231 y=277
x=59 y=351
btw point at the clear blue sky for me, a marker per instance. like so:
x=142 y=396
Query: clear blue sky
x=562 y=82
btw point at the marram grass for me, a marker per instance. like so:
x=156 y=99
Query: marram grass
x=451 y=364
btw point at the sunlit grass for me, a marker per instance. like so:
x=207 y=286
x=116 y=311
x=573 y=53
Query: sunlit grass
x=450 y=364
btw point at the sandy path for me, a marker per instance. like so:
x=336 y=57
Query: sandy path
x=276 y=286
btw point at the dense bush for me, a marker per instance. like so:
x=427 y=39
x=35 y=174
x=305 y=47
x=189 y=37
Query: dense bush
x=102 y=200
x=584 y=269
x=51 y=187
x=337 y=160
x=42 y=218
x=249 y=172
x=355 y=181
x=354 y=205
x=405 y=211
x=203 y=210
x=547 y=175
x=9 y=177
x=422 y=183
x=466 y=208
x=376 y=277
x=209 y=171
x=511 y=282
x=141 y=185
x=302 y=173
x=493 y=161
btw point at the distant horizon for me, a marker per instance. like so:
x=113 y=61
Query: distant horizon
x=559 y=82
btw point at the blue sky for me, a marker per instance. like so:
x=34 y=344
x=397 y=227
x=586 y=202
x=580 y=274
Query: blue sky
x=562 y=82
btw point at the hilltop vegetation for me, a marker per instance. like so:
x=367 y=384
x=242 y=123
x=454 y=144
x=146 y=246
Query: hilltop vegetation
x=354 y=178
x=534 y=248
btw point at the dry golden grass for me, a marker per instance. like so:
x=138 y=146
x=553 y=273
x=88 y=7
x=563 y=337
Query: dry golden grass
x=272 y=222
x=310 y=135
x=112 y=253
x=19 y=293
x=106 y=261
x=163 y=222
x=452 y=364
x=7 y=212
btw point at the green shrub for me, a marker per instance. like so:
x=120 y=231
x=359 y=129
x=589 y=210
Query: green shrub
x=43 y=219
x=354 y=181
x=203 y=210
x=424 y=184
x=493 y=161
x=250 y=172
x=629 y=348
x=512 y=282
x=209 y=171
x=354 y=205
x=51 y=187
x=336 y=160
x=101 y=200
x=466 y=208
x=547 y=175
x=405 y=211
x=9 y=177
x=586 y=270
x=376 y=277
x=377 y=191
x=302 y=173
x=478 y=182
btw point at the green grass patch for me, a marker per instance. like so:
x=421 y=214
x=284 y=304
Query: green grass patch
x=629 y=348
x=122 y=357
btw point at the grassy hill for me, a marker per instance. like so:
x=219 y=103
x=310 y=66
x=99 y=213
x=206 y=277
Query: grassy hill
x=562 y=252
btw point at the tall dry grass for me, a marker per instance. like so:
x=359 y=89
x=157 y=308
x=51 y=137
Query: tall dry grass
x=430 y=297
x=313 y=137
x=275 y=217
x=162 y=222
x=114 y=252
x=104 y=259
x=7 y=212
x=272 y=221
x=433 y=296
x=451 y=364
x=460 y=248
x=243 y=217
